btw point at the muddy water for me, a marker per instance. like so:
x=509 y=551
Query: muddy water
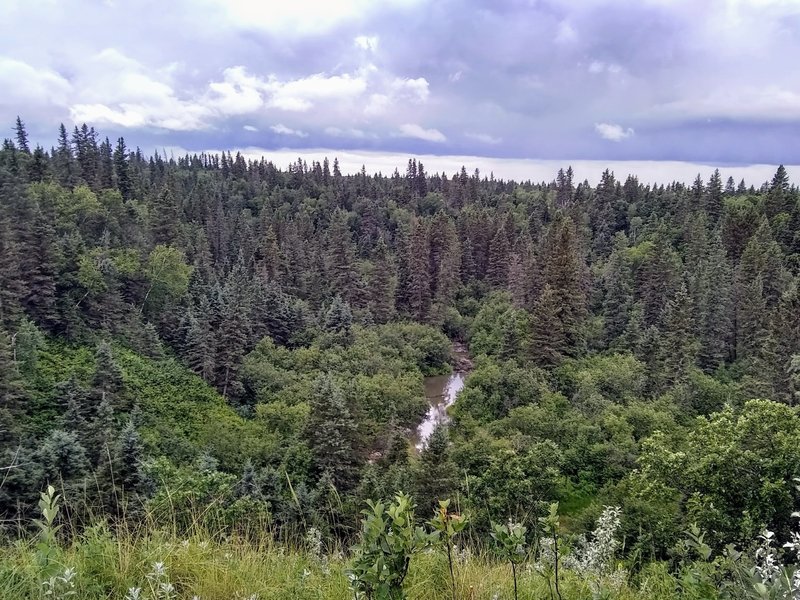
x=441 y=392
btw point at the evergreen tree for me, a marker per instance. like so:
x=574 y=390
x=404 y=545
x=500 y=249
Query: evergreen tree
x=330 y=434
x=497 y=271
x=713 y=197
x=419 y=282
x=548 y=338
x=382 y=284
x=678 y=347
x=339 y=319
x=107 y=380
x=22 y=137
x=11 y=389
x=436 y=472
x=342 y=255
x=122 y=170
x=128 y=459
x=563 y=273
x=618 y=284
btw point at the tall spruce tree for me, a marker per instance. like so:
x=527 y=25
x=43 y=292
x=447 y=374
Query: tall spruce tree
x=330 y=433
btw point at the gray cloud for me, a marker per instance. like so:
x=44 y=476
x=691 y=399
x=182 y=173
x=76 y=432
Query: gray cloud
x=549 y=79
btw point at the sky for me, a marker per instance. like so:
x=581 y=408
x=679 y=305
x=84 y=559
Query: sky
x=513 y=85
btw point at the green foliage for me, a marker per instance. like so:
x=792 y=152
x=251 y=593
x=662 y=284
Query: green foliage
x=511 y=546
x=446 y=525
x=388 y=541
x=47 y=547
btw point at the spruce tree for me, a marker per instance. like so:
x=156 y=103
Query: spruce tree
x=618 y=286
x=342 y=256
x=382 y=284
x=128 y=458
x=330 y=433
x=22 y=137
x=678 y=346
x=497 y=270
x=548 y=343
x=419 y=281
x=122 y=170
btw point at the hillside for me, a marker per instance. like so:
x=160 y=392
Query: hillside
x=214 y=347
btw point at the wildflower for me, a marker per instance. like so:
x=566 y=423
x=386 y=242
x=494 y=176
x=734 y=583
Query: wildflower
x=134 y=593
x=313 y=542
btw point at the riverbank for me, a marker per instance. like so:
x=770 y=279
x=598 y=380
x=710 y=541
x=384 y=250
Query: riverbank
x=441 y=392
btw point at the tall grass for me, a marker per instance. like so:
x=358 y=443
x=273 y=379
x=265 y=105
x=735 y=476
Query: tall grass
x=213 y=563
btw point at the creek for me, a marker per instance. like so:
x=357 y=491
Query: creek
x=441 y=392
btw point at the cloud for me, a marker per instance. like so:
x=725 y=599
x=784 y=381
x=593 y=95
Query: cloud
x=26 y=84
x=613 y=132
x=484 y=137
x=367 y=42
x=566 y=34
x=250 y=128
x=237 y=94
x=282 y=129
x=348 y=133
x=120 y=91
x=415 y=131
x=302 y=93
x=693 y=79
x=416 y=90
x=771 y=102
x=299 y=17
x=598 y=66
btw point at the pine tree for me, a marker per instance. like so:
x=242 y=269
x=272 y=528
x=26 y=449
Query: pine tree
x=12 y=284
x=63 y=458
x=122 y=170
x=548 y=338
x=419 y=283
x=41 y=273
x=713 y=197
x=658 y=277
x=382 y=284
x=716 y=327
x=751 y=320
x=63 y=162
x=165 y=218
x=200 y=344
x=779 y=198
x=22 y=137
x=342 y=256
x=107 y=380
x=105 y=170
x=618 y=285
x=234 y=331
x=435 y=479
x=101 y=433
x=339 y=318
x=497 y=270
x=11 y=382
x=330 y=434
x=678 y=347
x=128 y=459
x=563 y=273
x=762 y=257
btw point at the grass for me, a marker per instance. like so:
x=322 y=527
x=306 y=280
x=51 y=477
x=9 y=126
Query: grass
x=108 y=564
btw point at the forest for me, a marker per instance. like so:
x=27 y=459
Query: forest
x=211 y=371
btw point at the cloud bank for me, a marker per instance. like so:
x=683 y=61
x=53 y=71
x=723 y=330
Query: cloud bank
x=609 y=80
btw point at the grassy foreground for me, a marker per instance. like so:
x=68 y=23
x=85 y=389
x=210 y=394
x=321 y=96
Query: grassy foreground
x=107 y=565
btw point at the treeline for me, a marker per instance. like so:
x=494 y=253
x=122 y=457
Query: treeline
x=604 y=320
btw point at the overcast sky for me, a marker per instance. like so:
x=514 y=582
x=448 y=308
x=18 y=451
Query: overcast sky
x=711 y=81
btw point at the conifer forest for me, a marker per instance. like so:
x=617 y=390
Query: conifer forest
x=217 y=377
